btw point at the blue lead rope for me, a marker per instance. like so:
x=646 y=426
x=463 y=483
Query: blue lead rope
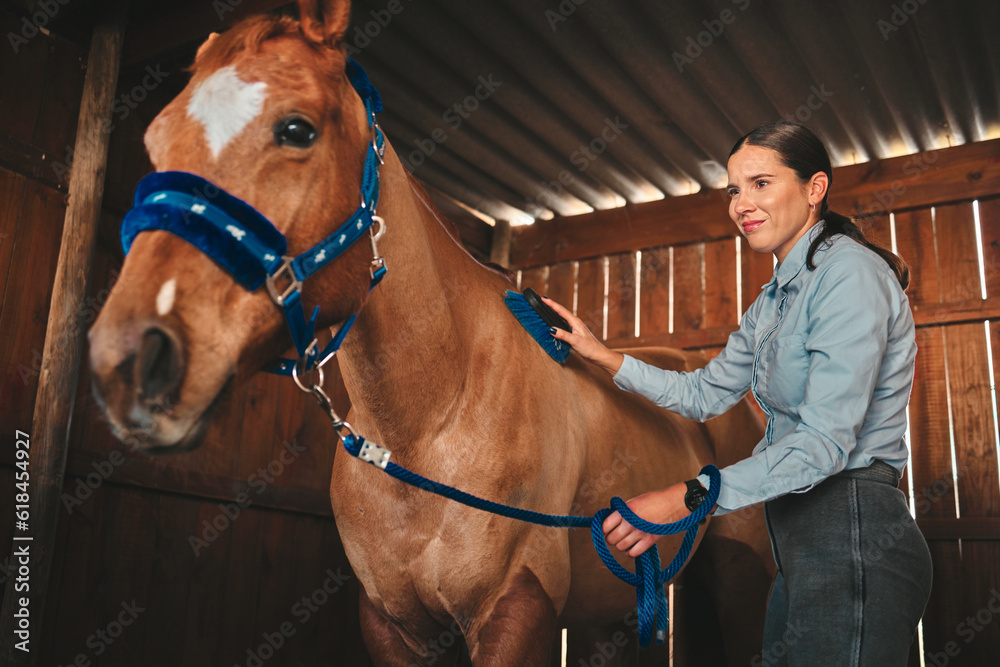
x=648 y=579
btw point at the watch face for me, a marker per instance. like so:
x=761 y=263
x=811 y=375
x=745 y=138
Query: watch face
x=695 y=496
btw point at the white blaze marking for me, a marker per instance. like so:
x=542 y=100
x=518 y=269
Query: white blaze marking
x=165 y=299
x=225 y=104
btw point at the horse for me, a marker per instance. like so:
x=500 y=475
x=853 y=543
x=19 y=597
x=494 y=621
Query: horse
x=437 y=369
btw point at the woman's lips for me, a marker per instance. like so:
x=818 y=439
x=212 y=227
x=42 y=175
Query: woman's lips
x=751 y=225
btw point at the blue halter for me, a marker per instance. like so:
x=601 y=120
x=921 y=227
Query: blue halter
x=251 y=249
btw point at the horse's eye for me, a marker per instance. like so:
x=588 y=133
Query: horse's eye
x=294 y=131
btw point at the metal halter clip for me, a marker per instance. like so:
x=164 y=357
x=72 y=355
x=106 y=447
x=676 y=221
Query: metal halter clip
x=379 y=152
x=318 y=369
x=376 y=235
x=377 y=456
x=294 y=285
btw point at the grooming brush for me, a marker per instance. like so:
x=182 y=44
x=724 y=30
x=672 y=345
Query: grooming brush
x=537 y=318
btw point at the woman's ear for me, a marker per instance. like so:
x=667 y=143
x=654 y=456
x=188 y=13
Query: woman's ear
x=818 y=185
x=325 y=21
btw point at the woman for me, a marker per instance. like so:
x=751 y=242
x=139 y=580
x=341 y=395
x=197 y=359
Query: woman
x=827 y=350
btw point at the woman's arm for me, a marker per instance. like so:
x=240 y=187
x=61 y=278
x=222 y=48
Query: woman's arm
x=700 y=395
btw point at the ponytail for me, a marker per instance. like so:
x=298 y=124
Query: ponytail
x=835 y=223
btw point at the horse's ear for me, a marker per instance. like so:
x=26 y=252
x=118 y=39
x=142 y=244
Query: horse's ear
x=205 y=45
x=325 y=21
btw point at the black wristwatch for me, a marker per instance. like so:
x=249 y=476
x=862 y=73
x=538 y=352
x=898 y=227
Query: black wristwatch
x=695 y=495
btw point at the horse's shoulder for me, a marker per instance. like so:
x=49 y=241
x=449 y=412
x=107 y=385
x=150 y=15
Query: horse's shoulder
x=667 y=358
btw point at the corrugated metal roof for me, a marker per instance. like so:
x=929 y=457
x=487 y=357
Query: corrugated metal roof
x=532 y=108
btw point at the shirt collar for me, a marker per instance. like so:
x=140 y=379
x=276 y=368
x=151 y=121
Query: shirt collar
x=786 y=271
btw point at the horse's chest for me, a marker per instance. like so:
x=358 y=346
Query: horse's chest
x=409 y=547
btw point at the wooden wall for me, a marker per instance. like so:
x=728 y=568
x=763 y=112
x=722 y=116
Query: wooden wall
x=953 y=477
x=129 y=525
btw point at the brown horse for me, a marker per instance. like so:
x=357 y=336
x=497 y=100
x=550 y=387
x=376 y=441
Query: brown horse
x=438 y=371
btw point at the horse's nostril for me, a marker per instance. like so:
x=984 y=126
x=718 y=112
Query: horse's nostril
x=161 y=368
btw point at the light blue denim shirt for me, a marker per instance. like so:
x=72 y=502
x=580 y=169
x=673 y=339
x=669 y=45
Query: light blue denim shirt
x=827 y=353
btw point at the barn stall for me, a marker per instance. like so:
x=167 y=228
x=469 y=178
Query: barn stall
x=606 y=126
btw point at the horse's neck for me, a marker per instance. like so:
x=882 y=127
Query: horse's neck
x=409 y=353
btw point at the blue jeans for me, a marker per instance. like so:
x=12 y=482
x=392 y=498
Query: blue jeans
x=854 y=574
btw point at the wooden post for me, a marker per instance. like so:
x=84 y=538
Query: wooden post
x=63 y=344
x=500 y=248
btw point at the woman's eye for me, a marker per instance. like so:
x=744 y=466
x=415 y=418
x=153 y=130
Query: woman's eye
x=294 y=131
x=761 y=183
x=732 y=192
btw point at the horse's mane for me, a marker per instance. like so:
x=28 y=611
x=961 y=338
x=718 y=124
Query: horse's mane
x=452 y=229
x=247 y=35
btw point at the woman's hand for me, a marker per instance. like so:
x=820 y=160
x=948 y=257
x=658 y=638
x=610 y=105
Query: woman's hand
x=584 y=342
x=663 y=506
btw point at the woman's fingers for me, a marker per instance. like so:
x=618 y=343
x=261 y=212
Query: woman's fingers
x=611 y=522
x=560 y=310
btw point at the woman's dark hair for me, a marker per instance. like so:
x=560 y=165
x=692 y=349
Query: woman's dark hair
x=803 y=152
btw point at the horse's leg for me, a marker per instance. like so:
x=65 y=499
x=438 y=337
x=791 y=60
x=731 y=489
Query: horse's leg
x=520 y=627
x=734 y=568
x=387 y=646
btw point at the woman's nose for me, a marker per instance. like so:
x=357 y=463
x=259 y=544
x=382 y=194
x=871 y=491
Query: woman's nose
x=743 y=203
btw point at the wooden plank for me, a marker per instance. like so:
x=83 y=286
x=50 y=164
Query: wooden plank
x=128 y=580
x=536 y=279
x=30 y=161
x=756 y=270
x=895 y=184
x=59 y=105
x=23 y=72
x=310 y=571
x=172 y=567
x=933 y=480
x=590 y=295
x=915 y=244
x=950 y=528
x=989 y=222
x=203 y=620
x=142 y=471
x=931 y=467
x=689 y=287
x=973 y=310
x=720 y=284
x=241 y=589
x=685 y=340
x=982 y=586
x=621 y=295
x=958 y=260
x=277 y=589
x=654 y=292
x=12 y=194
x=562 y=283
x=90 y=531
x=670 y=221
x=924 y=179
x=23 y=312
x=877 y=230
x=972 y=417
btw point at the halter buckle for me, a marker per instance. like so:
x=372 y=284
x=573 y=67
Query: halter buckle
x=294 y=283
